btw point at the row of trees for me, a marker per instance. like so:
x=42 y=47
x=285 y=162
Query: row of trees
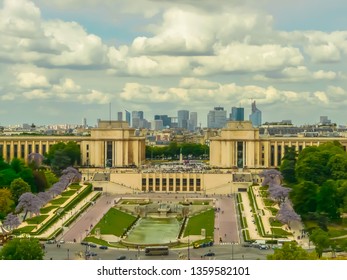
x=173 y=150
x=17 y=177
x=318 y=178
x=273 y=178
x=31 y=203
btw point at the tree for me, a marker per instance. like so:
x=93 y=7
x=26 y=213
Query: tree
x=279 y=193
x=291 y=251
x=327 y=199
x=11 y=221
x=60 y=161
x=338 y=166
x=22 y=249
x=51 y=178
x=313 y=162
x=320 y=239
x=287 y=167
x=7 y=176
x=304 y=197
x=3 y=164
x=18 y=187
x=40 y=180
x=28 y=202
x=6 y=202
x=342 y=194
x=286 y=214
x=71 y=174
x=35 y=160
x=271 y=177
x=62 y=155
x=44 y=197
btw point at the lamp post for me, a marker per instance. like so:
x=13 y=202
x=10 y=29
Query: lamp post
x=68 y=254
x=232 y=250
x=188 y=246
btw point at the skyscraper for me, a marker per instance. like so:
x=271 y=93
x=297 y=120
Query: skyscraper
x=120 y=116
x=237 y=114
x=216 y=118
x=193 y=121
x=165 y=118
x=84 y=123
x=183 y=118
x=127 y=117
x=255 y=116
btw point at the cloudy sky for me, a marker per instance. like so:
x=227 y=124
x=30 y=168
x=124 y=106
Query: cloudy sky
x=62 y=60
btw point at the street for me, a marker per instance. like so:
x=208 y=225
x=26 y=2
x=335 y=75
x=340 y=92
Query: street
x=75 y=251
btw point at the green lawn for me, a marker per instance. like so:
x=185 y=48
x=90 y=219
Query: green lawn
x=69 y=193
x=114 y=222
x=37 y=220
x=273 y=210
x=268 y=202
x=75 y=186
x=203 y=220
x=279 y=231
x=275 y=223
x=47 y=209
x=60 y=200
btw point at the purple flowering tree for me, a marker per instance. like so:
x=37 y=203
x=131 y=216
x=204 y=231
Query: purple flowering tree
x=57 y=188
x=44 y=197
x=271 y=177
x=286 y=214
x=71 y=174
x=28 y=202
x=279 y=193
x=36 y=159
x=11 y=221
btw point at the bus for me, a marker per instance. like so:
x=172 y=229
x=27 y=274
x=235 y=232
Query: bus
x=156 y=250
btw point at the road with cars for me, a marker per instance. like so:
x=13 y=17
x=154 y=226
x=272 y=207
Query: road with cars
x=76 y=251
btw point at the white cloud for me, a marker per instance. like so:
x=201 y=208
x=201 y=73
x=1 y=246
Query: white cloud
x=238 y=57
x=298 y=74
x=78 y=47
x=36 y=94
x=20 y=18
x=201 y=93
x=94 y=97
x=324 y=53
x=30 y=80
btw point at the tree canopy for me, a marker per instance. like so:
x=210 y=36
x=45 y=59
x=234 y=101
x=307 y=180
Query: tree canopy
x=22 y=249
x=320 y=183
x=62 y=155
x=291 y=251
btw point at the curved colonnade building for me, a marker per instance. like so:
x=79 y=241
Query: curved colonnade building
x=109 y=154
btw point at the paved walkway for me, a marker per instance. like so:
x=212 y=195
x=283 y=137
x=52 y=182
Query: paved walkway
x=265 y=215
x=60 y=222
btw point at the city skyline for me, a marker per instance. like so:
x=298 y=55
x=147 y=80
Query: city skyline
x=64 y=60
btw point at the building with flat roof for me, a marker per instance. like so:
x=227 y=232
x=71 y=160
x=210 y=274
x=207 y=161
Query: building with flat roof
x=110 y=144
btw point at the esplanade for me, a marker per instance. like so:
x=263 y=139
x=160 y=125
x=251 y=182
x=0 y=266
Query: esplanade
x=114 y=155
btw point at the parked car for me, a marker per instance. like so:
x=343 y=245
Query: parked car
x=51 y=241
x=263 y=247
x=209 y=254
x=103 y=247
x=121 y=258
x=84 y=243
x=92 y=245
x=91 y=254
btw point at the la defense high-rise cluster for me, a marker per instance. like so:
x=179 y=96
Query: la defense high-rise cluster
x=217 y=118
